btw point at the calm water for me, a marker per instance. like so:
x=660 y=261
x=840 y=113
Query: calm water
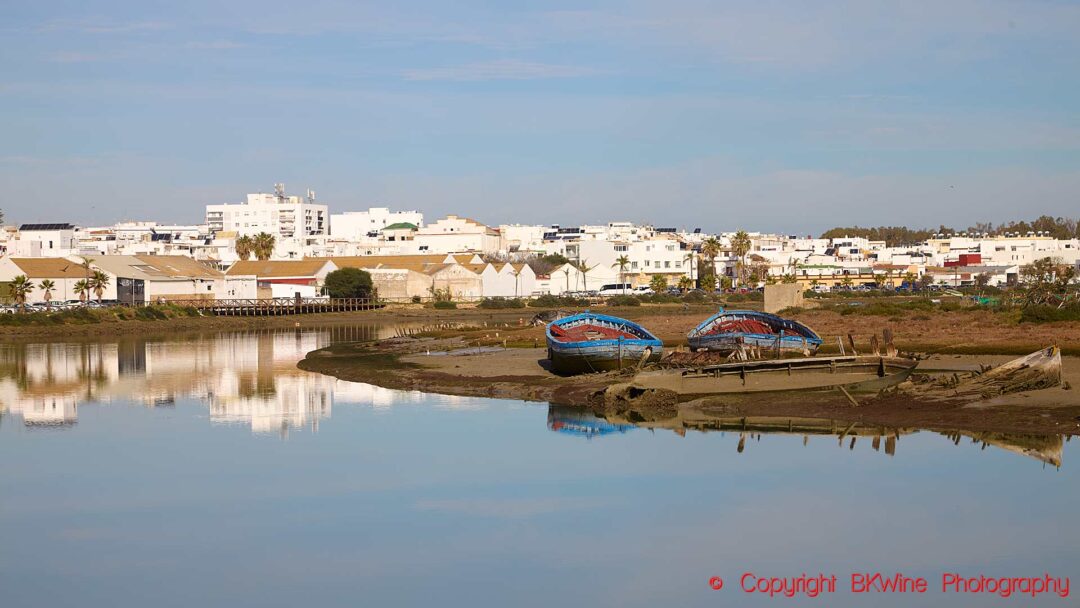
x=209 y=471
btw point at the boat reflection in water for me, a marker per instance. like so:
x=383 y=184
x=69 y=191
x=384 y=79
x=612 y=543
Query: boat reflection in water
x=581 y=421
x=247 y=378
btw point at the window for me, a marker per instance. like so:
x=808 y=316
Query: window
x=620 y=247
x=667 y=264
x=633 y=265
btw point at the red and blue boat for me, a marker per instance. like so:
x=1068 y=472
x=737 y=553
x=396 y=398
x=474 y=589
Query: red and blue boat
x=591 y=342
x=731 y=330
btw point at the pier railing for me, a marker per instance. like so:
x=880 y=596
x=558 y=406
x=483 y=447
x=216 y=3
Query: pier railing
x=263 y=307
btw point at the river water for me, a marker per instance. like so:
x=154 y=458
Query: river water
x=207 y=470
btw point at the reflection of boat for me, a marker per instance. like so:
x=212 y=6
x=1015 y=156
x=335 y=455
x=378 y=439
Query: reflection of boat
x=581 y=422
x=865 y=373
x=729 y=331
x=589 y=342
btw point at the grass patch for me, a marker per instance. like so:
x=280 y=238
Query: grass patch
x=1049 y=314
x=623 y=301
x=500 y=303
x=550 y=301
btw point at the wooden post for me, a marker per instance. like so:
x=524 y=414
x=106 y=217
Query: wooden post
x=840 y=343
x=874 y=346
x=851 y=342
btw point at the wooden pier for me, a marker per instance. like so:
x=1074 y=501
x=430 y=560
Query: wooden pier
x=269 y=307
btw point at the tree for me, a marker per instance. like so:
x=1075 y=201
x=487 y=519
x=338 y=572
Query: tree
x=566 y=271
x=1047 y=281
x=658 y=283
x=846 y=281
x=925 y=281
x=348 y=283
x=82 y=289
x=47 y=285
x=740 y=246
x=21 y=287
x=690 y=258
x=263 y=246
x=244 y=246
x=909 y=279
x=584 y=268
x=98 y=283
x=982 y=280
x=685 y=283
x=623 y=263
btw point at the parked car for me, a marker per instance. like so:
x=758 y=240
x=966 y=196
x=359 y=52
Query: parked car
x=616 y=289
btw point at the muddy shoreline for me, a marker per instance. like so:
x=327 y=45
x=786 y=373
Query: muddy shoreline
x=458 y=366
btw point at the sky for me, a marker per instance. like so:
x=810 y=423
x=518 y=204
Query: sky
x=769 y=115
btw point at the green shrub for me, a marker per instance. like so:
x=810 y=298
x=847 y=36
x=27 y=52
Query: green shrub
x=694 y=297
x=623 y=301
x=444 y=304
x=498 y=303
x=1050 y=314
x=550 y=301
x=348 y=283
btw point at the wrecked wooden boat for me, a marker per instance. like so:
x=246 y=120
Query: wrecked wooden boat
x=730 y=331
x=866 y=373
x=1039 y=370
x=591 y=342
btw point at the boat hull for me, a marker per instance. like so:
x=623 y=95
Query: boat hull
x=727 y=332
x=590 y=342
x=855 y=374
x=602 y=357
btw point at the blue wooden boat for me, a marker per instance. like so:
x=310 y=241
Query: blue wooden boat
x=590 y=342
x=730 y=330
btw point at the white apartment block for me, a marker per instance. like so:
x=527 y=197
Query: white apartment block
x=454 y=234
x=43 y=241
x=284 y=216
x=360 y=225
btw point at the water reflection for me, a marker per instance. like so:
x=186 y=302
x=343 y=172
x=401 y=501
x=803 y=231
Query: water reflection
x=580 y=421
x=245 y=377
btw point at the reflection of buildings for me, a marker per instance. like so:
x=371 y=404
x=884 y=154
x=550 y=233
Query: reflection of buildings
x=244 y=377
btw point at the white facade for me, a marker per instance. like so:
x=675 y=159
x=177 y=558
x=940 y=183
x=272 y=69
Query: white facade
x=285 y=217
x=454 y=234
x=360 y=225
x=43 y=241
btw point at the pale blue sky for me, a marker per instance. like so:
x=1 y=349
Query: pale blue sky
x=764 y=115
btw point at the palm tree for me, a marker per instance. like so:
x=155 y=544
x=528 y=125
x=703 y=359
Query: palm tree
x=710 y=248
x=584 y=269
x=685 y=284
x=21 y=287
x=86 y=268
x=47 y=285
x=98 y=283
x=82 y=289
x=690 y=258
x=623 y=263
x=910 y=279
x=658 y=283
x=740 y=246
x=244 y=246
x=566 y=271
x=263 y=246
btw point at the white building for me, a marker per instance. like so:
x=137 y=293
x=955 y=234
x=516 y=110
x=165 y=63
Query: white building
x=285 y=217
x=454 y=234
x=358 y=225
x=44 y=241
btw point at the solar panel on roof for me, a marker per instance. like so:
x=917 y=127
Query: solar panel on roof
x=32 y=227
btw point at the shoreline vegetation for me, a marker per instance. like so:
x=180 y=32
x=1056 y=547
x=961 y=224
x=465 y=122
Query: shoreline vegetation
x=953 y=325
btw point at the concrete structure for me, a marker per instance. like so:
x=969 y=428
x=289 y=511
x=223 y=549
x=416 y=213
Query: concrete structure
x=284 y=278
x=783 y=295
x=359 y=225
x=43 y=240
x=142 y=279
x=286 y=217
x=64 y=273
x=454 y=234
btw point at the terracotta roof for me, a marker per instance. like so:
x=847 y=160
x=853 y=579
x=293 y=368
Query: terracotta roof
x=155 y=267
x=403 y=262
x=278 y=268
x=50 y=268
x=179 y=266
